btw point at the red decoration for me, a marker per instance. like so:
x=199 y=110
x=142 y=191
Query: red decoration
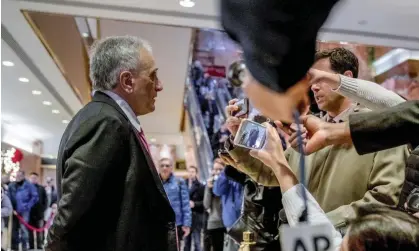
x=17 y=156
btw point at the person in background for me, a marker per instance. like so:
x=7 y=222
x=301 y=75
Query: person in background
x=23 y=196
x=5 y=181
x=38 y=211
x=6 y=212
x=196 y=197
x=214 y=237
x=51 y=191
x=178 y=194
x=231 y=194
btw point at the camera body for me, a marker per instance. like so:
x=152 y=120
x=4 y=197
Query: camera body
x=412 y=201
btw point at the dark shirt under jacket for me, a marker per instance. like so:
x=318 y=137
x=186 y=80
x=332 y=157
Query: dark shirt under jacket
x=110 y=195
x=196 y=194
x=38 y=210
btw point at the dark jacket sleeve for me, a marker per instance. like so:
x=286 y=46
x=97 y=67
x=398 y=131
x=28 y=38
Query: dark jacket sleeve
x=383 y=129
x=43 y=199
x=186 y=209
x=199 y=203
x=34 y=196
x=95 y=150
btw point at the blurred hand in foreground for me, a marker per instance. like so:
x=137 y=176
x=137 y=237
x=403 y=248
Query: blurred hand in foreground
x=277 y=106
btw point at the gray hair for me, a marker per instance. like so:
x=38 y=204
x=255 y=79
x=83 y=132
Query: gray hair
x=112 y=55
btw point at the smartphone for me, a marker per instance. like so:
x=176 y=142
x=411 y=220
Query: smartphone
x=251 y=135
x=243 y=110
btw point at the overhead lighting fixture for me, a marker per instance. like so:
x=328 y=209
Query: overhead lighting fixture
x=35 y=92
x=85 y=34
x=65 y=121
x=153 y=140
x=187 y=3
x=8 y=63
x=24 y=80
x=55 y=111
x=47 y=103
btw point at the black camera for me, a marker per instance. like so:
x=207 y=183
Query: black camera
x=236 y=73
x=413 y=201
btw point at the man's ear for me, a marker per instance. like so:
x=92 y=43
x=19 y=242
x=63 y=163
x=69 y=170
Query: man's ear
x=348 y=74
x=125 y=78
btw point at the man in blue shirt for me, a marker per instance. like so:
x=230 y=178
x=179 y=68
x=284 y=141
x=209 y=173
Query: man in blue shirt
x=178 y=194
x=23 y=196
x=231 y=194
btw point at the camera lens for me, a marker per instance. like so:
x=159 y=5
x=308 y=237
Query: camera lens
x=236 y=73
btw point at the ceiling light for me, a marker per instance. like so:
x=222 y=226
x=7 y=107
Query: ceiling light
x=35 y=92
x=187 y=3
x=153 y=140
x=65 y=121
x=55 y=111
x=8 y=63
x=24 y=80
x=47 y=103
x=85 y=34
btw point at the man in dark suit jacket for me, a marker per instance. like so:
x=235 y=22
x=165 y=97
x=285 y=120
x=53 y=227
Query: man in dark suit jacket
x=254 y=133
x=196 y=196
x=110 y=195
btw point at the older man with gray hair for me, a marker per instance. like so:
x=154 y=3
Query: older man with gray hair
x=110 y=194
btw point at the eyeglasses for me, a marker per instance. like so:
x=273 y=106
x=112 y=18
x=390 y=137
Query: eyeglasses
x=152 y=77
x=165 y=166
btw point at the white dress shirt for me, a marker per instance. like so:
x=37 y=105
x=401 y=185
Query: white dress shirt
x=126 y=109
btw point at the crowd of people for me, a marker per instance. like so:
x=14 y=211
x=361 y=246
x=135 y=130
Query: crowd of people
x=31 y=206
x=357 y=180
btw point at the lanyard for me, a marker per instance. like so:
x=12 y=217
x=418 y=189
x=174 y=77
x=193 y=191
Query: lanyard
x=303 y=216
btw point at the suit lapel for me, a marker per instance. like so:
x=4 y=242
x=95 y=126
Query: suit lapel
x=151 y=165
x=102 y=97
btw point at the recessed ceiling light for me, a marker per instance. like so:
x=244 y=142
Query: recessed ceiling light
x=47 y=103
x=24 y=80
x=187 y=3
x=85 y=34
x=55 y=111
x=65 y=121
x=35 y=92
x=8 y=63
x=153 y=140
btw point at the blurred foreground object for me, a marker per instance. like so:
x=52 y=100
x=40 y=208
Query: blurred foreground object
x=278 y=39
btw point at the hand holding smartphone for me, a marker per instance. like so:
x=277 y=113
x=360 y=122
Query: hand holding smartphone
x=243 y=108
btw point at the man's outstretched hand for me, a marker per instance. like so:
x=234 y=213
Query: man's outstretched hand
x=321 y=134
x=316 y=134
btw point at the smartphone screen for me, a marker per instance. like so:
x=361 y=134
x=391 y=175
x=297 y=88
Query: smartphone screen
x=243 y=110
x=251 y=135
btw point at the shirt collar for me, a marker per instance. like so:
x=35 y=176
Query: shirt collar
x=343 y=116
x=126 y=108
